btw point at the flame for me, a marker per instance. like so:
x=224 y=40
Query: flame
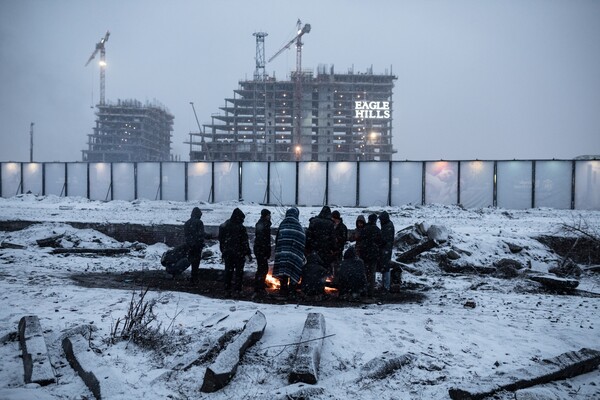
x=329 y=290
x=272 y=282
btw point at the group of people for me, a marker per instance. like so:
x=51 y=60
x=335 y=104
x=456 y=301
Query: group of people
x=304 y=258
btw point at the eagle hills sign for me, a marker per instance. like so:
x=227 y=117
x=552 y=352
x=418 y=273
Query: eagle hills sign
x=372 y=109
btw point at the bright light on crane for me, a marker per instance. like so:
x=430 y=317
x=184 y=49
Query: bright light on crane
x=102 y=63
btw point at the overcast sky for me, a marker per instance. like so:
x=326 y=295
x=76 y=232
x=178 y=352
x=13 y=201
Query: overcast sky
x=476 y=79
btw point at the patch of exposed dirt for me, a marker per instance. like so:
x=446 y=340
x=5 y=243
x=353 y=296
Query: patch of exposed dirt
x=212 y=286
x=582 y=250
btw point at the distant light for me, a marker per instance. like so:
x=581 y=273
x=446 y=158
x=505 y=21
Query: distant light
x=102 y=63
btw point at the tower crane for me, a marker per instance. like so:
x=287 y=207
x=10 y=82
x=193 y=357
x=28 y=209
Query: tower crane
x=296 y=136
x=102 y=63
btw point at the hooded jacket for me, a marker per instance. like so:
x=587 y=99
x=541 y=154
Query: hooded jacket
x=351 y=276
x=387 y=236
x=262 y=237
x=193 y=231
x=320 y=236
x=289 y=247
x=368 y=242
x=313 y=275
x=233 y=237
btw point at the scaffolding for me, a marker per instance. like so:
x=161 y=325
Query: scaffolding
x=343 y=117
x=130 y=131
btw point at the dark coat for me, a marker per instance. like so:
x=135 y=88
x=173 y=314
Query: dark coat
x=262 y=238
x=233 y=237
x=351 y=275
x=341 y=236
x=193 y=231
x=368 y=242
x=320 y=236
x=388 y=233
x=289 y=247
x=313 y=275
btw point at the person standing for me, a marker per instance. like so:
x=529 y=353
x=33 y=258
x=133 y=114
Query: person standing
x=289 y=251
x=320 y=237
x=262 y=250
x=355 y=236
x=368 y=245
x=340 y=233
x=193 y=231
x=387 y=236
x=234 y=245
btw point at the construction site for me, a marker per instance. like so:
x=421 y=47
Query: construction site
x=324 y=117
x=127 y=131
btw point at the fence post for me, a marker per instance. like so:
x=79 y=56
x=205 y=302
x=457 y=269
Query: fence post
x=160 y=180
x=423 y=183
x=326 y=182
x=22 y=183
x=240 y=177
x=533 y=184
x=185 y=180
x=66 y=183
x=357 y=183
x=111 y=187
x=43 y=179
x=268 y=182
x=495 y=186
x=135 y=180
x=296 y=196
x=211 y=195
x=458 y=185
x=1 y=168
x=573 y=183
x=389 y=196
x=87 y=183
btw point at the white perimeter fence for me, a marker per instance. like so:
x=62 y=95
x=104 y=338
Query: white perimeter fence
x=561 y=184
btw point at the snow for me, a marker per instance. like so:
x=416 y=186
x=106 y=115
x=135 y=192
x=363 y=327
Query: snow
x=513 y=324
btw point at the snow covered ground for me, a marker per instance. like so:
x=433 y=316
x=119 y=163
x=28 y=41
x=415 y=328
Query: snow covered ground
x=514 y=323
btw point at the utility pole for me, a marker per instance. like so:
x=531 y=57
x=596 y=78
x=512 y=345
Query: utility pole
x=31 y=142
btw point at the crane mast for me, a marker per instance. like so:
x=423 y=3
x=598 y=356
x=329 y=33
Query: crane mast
x=297 y=132
x=100 y=48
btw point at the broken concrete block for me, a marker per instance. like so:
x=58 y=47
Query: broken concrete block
x=36 y=361
x=296 y=391
x=305 y=366
x=222 y=370
x=439 y=233
x=102 y=381
x=381 y=367
x=563 y=366
x=556 y=283
x=410 y=254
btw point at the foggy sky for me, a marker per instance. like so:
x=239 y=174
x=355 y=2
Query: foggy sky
x=476 y=79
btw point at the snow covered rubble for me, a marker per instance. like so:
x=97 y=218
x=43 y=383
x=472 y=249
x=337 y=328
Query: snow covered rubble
x=465 y=327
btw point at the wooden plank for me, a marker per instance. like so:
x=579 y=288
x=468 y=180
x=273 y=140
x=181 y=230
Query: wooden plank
x=411 y=253
x=36 y=361
x=308 y=353
x=563 y=366
x=223 y=369
x=381 y=367
x=554 y=282
x=104 y=252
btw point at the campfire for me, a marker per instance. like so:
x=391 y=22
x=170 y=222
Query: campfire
x=272 y=282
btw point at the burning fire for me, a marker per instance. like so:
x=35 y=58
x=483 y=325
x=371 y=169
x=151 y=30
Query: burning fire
x=272 y=282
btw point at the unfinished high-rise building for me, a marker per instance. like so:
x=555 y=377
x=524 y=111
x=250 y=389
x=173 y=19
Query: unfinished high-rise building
x=130 y=131
x=327 y=117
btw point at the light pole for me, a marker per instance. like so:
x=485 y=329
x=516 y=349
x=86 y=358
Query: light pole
x=31 y=142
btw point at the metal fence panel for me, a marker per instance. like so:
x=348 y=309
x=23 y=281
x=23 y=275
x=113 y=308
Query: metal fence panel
x=123 y=181
x=254 y=181
x=282 y=185
x=407 y=183
x=441 y=182
x=477 y=184
x=55 y=179
x=11 y=179
x=374 y=183
x=77 y=180
x=199 y=181
x=148 y=180
x=587 y=184
x=514 y=184
x=226 y=184
x=342 y=184
x=100 y=184
x=33 y=179
x=553 y=184
x=173 y=181
x=313 y=183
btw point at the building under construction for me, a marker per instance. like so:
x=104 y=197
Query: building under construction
x=327 y=117
x=130 y=131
